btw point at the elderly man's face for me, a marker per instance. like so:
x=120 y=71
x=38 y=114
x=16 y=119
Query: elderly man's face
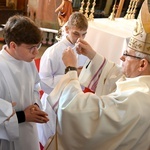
x=130 y=64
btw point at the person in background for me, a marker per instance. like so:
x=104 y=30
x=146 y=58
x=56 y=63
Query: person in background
x=116 y=117
x=19 y=96
x=64 y=11
x=52 y=67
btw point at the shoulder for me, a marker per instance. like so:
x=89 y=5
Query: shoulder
x=56 y=48
x=2 y=63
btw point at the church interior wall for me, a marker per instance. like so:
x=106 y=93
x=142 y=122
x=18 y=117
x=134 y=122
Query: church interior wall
x=43 y=11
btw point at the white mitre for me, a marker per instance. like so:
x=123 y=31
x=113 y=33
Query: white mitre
x=140 y=40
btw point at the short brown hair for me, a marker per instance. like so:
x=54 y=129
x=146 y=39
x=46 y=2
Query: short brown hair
x=21 y=29
x=78 y=20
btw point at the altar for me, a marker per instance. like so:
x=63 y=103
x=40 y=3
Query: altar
x=110 y=38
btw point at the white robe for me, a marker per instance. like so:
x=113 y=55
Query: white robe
x=52 y=67
x=18 y=83
x=86 y=121
x=51 y=71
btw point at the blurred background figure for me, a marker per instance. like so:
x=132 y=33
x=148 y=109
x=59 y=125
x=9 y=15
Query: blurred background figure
x=64 y=11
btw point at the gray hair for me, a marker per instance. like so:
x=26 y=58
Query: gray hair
x=142 y=55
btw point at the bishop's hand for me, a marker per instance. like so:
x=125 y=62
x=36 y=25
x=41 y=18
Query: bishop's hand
x=69 y=58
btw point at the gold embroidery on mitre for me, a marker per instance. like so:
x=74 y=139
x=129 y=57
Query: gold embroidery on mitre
x=138 y=28
x=140 y=40
x=135 y=44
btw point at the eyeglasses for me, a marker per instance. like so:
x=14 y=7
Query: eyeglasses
x=32 y=49
x=126 y=54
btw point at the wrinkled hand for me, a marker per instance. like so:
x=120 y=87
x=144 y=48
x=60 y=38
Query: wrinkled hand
x=85 y=49
x=34 y=114
x=69 y=58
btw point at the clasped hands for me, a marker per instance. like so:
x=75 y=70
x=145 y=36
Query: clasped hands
x=34 y=114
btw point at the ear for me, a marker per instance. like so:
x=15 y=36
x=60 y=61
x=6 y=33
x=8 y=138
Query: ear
x=12 y=45
x=143 y=64
x=67 y=29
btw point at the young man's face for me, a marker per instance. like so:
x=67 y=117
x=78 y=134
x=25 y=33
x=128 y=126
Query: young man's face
x=74 y=33
x=25 y=52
